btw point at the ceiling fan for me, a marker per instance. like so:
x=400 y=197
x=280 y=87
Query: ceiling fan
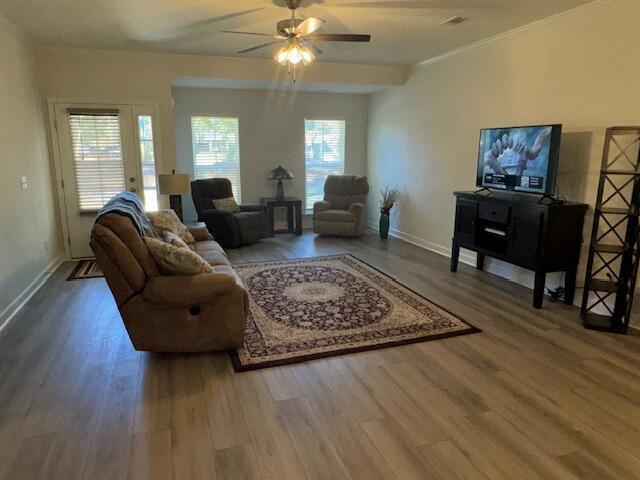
x=295 y=35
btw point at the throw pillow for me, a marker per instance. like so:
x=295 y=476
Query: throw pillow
x=176 y=261
x=226 y=205
x=201 y=234
x=168 y=221
x=175 y=240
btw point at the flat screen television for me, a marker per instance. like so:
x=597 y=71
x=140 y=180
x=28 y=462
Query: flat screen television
x=523 y=159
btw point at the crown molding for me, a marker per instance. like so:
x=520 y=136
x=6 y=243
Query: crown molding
x=509 y=33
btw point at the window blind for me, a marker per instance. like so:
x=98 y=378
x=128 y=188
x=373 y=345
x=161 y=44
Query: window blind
x=147 y=159
x=97 y=157
x=323 y=156
x=216 y=150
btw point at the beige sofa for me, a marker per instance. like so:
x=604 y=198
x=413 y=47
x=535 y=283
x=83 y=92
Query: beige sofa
x=163 y=313
x=343 y=210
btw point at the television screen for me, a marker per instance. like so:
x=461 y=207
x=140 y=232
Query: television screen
x=519 y=158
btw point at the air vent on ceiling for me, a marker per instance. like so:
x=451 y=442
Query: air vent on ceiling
x=455 y=20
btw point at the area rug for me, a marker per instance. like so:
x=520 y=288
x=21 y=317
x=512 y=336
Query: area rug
x=318 y=307
x=85 y=269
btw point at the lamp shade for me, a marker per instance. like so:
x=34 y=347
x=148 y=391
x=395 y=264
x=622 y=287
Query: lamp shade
x=174 y=184
x=280 y=173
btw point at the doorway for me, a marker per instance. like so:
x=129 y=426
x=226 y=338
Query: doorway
x=104 y=149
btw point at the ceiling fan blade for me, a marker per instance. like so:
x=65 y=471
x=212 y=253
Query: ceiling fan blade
x=250 y=33
x=309 y=25
x=412 y=4
x=246 y=50
x=339 y=37
x=221 y=18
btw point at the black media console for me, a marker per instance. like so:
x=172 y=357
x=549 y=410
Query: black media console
x=535 y=233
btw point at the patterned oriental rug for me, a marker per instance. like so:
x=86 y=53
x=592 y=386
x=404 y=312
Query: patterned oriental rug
x=318 y=307
x=85 y=269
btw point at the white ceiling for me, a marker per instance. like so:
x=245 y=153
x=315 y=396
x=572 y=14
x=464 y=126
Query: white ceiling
x=403 y=32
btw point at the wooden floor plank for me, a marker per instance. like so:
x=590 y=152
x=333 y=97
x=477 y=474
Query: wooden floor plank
x=450 y=462
x=401 y=454
x=226 y=420
x=272 y=444
x=24 y=458
x=359 y=455
x=237 y=463
x=534 y=395
x=151 y=456
x=311 y=441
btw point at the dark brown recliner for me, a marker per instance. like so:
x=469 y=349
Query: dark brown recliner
x=163 y=313
x=230 y=229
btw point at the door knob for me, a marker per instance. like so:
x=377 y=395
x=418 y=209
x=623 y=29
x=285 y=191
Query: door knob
x=133 y=189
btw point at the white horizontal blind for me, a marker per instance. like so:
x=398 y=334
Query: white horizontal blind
x=323 y=156
x=216 y=149
x=97 y=157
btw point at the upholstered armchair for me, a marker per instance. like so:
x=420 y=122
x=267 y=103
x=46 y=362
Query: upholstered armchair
x=343 y=210
x=229 y=229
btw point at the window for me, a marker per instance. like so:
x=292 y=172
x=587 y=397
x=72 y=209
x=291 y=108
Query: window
x=323 y=156
x=216 y=150
x=147 y=160
x=97 y=158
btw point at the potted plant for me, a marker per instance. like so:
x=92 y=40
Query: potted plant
x=389 y=198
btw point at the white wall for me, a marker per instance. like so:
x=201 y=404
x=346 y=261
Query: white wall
x=271 y=129
x=114 y=75
x=28 y=220
x=579 y=69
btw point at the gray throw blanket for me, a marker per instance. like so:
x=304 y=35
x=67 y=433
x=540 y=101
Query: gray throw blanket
x=129 y=205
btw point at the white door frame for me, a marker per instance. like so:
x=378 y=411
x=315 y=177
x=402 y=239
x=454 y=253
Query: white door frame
x=56 y=154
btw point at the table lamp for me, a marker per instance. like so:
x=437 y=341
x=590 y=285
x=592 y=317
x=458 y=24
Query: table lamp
x=175 y=185
x=280 y=174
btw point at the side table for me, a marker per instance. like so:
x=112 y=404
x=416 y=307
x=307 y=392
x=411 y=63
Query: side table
x=294 y=208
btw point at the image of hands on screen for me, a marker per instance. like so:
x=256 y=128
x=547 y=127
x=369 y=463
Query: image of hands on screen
x=515 y=158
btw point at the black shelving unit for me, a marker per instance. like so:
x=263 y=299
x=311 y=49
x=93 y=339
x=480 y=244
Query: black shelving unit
x=612 y=266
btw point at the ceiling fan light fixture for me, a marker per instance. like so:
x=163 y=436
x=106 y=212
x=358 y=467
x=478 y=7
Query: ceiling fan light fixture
x=282 y=55
x=294 y=53
x=307 y=56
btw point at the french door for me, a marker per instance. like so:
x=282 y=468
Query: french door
x=99 y=157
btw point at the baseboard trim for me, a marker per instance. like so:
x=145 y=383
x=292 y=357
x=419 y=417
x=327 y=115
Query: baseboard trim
x=465 y=257
x=8 y=313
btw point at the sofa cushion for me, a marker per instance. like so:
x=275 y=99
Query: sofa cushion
x=173 y=239
x=335 y=216
x=167 y=220
x=175 y=260
x=339 y=202
x=226 y=204
x=200 y=234
x=212 y=252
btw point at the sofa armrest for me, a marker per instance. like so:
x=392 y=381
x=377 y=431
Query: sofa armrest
x=182 y=291
x=200 y=233
x=357 y=208
x=252 y=208
x=321 y=206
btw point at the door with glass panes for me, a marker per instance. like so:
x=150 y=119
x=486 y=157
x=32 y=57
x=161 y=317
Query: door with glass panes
x=104 y=150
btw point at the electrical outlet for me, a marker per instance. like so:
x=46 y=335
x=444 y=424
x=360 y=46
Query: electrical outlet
x=24 y=183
